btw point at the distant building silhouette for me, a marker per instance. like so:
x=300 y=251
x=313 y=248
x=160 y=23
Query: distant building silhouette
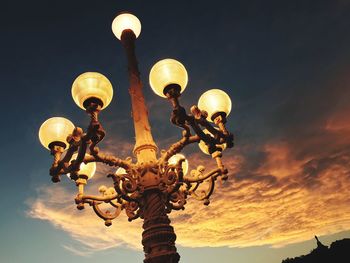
x=320 y=246
x=338 y=252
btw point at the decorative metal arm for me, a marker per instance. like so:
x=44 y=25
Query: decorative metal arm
x=129 y=187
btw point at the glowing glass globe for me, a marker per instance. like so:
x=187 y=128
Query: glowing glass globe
x=92 y=86
x=88 y=169
x=165 y=72
x=126 y=21
x=120 y=171
x=55 y=130
x=204 y=148
x=175 y=159
x=215 y=101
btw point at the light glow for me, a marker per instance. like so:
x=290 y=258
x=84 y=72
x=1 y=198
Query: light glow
x=214 y=101
x=92 y=85
x=55 y=129
x=165 y=72
x=204 y=148
x=126 y=21
x=175 y=159
x=88 y=169
x=120 y=171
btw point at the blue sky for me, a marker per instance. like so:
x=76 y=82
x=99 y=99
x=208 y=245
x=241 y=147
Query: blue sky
x=285 y=66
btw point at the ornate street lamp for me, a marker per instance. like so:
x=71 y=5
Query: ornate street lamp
x=157 y=183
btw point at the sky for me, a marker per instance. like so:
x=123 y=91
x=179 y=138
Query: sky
x=285 y=65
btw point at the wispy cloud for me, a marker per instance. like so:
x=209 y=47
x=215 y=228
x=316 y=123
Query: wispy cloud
x=84 y=226
x=78 y=251
x=281 y=191
x=284 y=200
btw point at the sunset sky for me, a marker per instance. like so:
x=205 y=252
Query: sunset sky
x=286 y=67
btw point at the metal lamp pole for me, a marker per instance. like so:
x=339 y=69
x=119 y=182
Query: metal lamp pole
x=153 y=186
x=158 y=237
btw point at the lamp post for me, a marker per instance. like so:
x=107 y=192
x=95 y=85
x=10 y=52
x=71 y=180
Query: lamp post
x=155 y=184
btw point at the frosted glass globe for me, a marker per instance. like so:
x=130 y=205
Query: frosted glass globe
x=215 y=101
x=175 y=159
x=92 y=85
x=88 y=169
x=204 y=148
x=126 y=21
x=55 y=129
x=165 y=72
x=120 y=171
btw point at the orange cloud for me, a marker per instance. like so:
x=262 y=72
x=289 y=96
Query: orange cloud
x=278 y=193
x=84 y=226
x=283 y=200
x=279 y=162
x=274 y=207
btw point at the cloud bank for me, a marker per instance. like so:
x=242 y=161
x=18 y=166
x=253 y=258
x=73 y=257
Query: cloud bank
x=279 y=200
x=284 y=190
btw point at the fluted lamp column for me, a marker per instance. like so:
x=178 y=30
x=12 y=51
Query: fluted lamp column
x=127 y=28
x=158 y=237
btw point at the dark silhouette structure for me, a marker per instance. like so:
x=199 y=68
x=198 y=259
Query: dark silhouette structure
x=338 y=252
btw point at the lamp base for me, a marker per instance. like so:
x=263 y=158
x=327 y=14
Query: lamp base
x=158 y=237
x=91 y=101
x=172 y=91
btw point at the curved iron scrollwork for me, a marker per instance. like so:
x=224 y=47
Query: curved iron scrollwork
x=128 y=187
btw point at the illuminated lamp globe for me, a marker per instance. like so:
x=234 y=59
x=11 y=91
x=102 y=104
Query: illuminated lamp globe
x=204 y=148
x=215 y=102
x=88 y=169
x=54 y=131
x=92 y=87
x=167 y=73
x=173 y=160
x=126 y=21
x=120 y=171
